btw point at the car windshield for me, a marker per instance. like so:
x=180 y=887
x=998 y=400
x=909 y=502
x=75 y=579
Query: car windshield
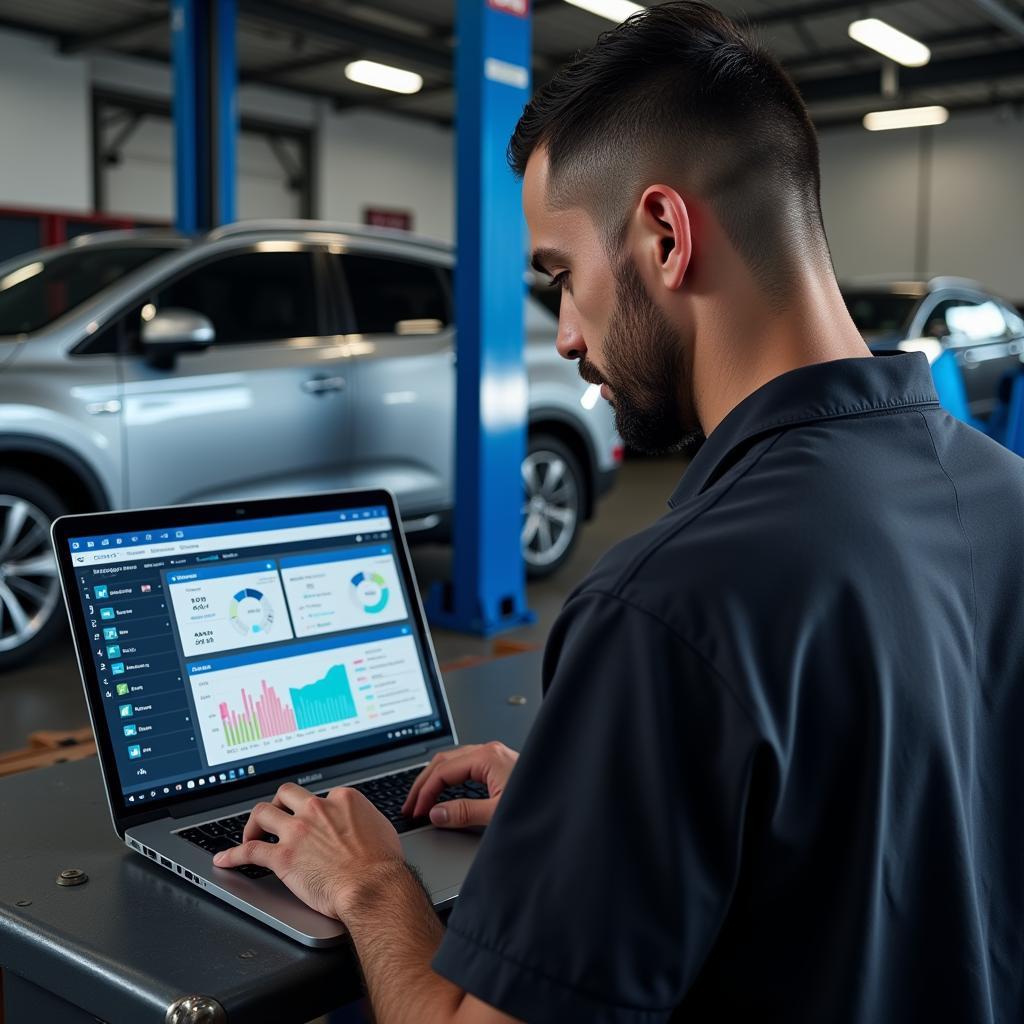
x=880 y=312
x=38 y=292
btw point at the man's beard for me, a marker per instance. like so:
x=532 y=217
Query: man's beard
x=646 y=369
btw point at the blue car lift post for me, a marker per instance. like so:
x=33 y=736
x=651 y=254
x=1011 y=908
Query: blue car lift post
x=205 y=111
x=487 y=592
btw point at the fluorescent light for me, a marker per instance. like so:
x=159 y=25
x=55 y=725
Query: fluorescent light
x=890 y=42
x=383 y=76
x=911 y=117
x=613 y=10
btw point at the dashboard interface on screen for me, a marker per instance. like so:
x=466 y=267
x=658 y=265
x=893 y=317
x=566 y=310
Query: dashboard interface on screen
x=229 y=650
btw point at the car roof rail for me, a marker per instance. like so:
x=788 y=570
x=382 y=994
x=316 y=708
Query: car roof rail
x=125 y=235
x=288 y=225
x=949 y=281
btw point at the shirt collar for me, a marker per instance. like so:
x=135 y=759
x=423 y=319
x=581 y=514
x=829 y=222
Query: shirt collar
x=822 y=391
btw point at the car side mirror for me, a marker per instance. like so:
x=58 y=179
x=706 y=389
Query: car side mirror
x=170 y=331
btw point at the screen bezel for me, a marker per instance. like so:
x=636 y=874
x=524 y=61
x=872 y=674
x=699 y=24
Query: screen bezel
x=173 y=516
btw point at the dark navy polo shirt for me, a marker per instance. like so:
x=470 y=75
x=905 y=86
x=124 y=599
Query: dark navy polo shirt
x=778 y=772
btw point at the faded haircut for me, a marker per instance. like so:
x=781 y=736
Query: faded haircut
x=678 y=93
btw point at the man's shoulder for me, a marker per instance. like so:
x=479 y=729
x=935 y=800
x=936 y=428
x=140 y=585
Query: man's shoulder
x=695 y=547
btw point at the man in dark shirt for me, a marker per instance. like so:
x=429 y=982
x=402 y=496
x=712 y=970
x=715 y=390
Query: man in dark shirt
x=775 y=774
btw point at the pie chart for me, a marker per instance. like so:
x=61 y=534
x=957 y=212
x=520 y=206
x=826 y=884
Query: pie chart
x=370 y=592
x=250 y=612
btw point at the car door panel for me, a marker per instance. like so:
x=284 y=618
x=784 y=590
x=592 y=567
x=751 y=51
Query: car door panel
x=402 y=383
x=241 y=419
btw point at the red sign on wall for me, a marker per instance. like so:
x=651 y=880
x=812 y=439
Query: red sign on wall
x=520 y=8
x=377 y=217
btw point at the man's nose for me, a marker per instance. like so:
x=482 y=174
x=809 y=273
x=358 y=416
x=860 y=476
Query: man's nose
x=569 y=343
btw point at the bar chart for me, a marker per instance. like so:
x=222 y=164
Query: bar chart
x=249 y=706
x=327 y=700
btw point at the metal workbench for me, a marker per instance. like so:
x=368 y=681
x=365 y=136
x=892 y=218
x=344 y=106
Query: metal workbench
x=128 y=945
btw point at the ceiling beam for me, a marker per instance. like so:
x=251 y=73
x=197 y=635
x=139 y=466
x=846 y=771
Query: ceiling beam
x=815 y=10
x=1010 y=21
x=337 y=28
x=110 y=37
x=269 y=75
x=952 y=71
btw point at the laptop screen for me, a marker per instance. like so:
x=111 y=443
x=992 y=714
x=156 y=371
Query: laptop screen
x=224 y=651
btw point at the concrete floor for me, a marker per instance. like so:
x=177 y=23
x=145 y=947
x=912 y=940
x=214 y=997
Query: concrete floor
x=47 y=694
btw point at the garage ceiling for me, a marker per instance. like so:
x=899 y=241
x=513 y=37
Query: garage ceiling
x=303 y=45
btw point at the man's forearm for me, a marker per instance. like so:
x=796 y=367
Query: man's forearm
x=396 y=934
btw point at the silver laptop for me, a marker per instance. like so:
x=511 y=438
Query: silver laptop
x=228 y=648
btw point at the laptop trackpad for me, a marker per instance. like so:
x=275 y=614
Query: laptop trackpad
x=442 y=858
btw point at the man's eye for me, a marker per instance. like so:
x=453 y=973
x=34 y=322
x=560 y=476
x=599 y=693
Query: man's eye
x=560 y=280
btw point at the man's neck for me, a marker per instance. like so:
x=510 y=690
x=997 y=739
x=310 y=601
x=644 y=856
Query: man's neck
x=748 y=343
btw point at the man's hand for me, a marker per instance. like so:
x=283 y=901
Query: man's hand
x=490 y=763
x=329 y=849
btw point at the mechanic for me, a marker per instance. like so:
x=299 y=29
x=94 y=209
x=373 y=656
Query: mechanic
x=776 y=771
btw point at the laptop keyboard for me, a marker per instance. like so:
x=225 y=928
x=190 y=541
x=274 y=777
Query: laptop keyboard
x=387 y=793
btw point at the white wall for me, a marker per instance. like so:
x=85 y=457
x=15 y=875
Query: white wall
x=369 y=159
x=878 y=194
x=44 y=126
x=142 y=184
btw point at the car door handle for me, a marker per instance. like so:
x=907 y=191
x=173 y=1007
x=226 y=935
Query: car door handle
x=321 y=385
x=103 y=408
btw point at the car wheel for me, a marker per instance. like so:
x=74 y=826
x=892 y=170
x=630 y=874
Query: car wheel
x=553 y=489
x=30 y=602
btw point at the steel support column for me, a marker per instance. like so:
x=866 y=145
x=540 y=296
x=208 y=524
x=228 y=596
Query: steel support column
x=205 y=112
x=487 y=592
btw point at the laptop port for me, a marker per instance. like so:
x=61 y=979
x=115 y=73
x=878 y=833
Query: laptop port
x=188 y=875
x=166 y=863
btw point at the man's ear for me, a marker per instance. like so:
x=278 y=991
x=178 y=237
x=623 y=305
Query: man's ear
x=666 y=243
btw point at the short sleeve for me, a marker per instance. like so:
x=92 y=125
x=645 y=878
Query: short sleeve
x=602 y=881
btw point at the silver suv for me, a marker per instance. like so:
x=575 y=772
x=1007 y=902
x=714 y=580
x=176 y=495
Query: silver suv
x=263 y=359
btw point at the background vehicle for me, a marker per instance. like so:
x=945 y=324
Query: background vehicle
x=950 y=312
x=266 y=358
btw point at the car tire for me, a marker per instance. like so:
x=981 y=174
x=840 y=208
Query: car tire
x=31 y=609
x=553 y=504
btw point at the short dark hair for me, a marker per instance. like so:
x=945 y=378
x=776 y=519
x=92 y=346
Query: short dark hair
x=679 y=90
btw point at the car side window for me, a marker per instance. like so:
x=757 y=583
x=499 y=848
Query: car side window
x=250 y=297
x=966 y=322
x=395 y=296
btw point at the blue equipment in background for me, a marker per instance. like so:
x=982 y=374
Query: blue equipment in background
x=205 y=112
x=487 y=592
x=1005 y=425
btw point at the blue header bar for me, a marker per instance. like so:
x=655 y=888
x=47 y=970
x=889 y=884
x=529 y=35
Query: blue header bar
x=294 y=650
x=225 y=529
x=216 y=571
x=318 y=557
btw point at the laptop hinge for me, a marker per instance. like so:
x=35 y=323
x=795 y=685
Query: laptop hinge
x=259 y=789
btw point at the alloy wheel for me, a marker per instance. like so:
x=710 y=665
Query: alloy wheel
x=551 y=508
x=29 y=588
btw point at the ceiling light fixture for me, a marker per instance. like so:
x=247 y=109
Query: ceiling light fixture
x=911 y=117
x=890 y=42
x=613 y=10
x=383 y=76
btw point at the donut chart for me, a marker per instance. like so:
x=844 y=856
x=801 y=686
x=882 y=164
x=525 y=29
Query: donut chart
x=370 y=592
x=250 y=612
